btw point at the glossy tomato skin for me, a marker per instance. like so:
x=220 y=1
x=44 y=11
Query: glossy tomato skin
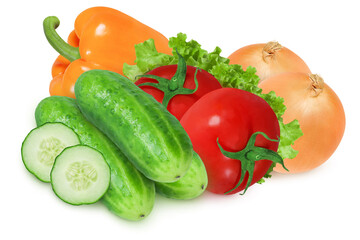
x=231 y=116
x=179 y=104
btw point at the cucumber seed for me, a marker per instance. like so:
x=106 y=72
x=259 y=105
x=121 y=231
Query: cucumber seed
x=81 y=175
x=49 y=149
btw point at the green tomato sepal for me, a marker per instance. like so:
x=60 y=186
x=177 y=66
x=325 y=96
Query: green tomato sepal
x=174 y=86
x=249 y=155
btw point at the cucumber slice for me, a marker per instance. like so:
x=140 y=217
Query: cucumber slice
x=43 y=144
x=80 y=175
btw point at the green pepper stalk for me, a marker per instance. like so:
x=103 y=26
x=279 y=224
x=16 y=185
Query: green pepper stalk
x=63 y=48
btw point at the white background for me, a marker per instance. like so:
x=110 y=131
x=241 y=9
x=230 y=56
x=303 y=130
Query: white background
x=319 y=204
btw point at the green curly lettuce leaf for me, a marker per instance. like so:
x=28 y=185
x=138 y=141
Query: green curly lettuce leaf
x=148 y=58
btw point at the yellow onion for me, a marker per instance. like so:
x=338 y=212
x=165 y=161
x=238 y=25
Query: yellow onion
x=319 y=112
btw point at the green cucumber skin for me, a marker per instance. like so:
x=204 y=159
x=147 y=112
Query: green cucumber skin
x=130 y=195
x=190 y=186
x=152 y=139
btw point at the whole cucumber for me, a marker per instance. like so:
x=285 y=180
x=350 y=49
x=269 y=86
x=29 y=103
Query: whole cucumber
x=190 y=186
x=151 y=138
x=130 y=195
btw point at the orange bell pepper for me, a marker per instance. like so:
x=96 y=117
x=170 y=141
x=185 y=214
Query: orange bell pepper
x=106 y=41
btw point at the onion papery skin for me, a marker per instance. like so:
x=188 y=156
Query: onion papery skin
x=320 y=114
x=269 y=59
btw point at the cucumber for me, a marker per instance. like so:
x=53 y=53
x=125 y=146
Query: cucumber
x=80 y=175
x=43 y=144
x=130 y=195
x=151 y=138
x=190 y=186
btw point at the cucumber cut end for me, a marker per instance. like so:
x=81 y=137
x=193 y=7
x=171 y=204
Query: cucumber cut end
x=43 y=144
x=80 y=175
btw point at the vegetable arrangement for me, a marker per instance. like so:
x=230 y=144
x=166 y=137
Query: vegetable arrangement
x=132 y=114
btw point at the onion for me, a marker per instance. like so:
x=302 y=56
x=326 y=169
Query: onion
x=269 y=59
x=319 y=112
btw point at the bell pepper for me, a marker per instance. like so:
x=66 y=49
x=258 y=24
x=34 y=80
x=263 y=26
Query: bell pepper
x=107 y=39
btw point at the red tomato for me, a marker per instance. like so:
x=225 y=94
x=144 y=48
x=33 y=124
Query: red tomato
x=231 y=116
x=180 y=103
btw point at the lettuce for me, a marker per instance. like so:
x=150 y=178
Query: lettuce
x=148 y=58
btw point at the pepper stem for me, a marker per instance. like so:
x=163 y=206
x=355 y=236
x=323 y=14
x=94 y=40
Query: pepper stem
x=63 y=48
x=175 y=85
x=249 y=155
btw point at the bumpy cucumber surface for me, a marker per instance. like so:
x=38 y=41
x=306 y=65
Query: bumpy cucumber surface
x=190 y=186
x=130 y=194
x=43 y=144
x=151 y=138
x=80 y=175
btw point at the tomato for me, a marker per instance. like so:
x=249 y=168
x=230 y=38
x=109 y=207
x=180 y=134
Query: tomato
x=228 y=125
x=178 y=84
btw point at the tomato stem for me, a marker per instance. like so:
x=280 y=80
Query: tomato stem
x=175 y=85
x=63 y=48
x=249 y=155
